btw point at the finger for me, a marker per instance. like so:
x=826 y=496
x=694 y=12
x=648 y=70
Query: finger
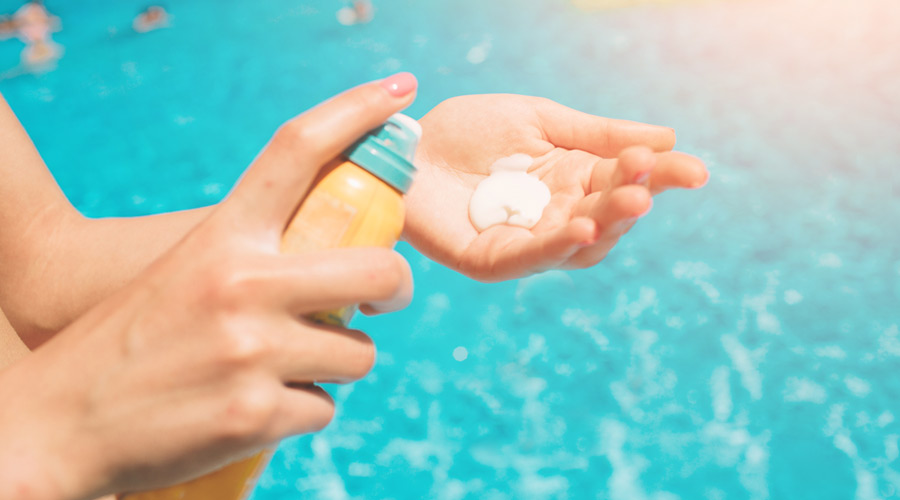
x=303 y=408
x=309 y=352
x=531 y=254
x=605 y=137
x=331 y=279
x=279 y=177
x=614 y=212
x=677 y=170
x=633 y=166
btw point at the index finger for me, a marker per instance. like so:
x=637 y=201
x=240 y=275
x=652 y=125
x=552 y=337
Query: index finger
x=276 y=181
x=604 y=137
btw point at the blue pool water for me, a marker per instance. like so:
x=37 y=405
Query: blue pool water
x=743 y=342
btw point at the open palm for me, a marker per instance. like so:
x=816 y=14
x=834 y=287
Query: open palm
x=601 y=172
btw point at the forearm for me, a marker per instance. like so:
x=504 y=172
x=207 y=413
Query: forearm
x=85 y=262
x=54 y=263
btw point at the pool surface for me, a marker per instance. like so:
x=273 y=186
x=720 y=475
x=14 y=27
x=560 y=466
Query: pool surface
x=742 y=342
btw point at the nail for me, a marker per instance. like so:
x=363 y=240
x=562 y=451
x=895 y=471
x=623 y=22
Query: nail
x=400 y=84
x=641 y=177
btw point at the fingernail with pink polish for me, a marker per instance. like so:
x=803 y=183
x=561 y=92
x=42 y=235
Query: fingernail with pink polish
x=400 y=84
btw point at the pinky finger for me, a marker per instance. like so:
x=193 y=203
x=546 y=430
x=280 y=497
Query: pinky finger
x=678 y=170
x=304 y=408
x=615 y=213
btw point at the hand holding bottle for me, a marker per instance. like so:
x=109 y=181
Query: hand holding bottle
x=203 y=358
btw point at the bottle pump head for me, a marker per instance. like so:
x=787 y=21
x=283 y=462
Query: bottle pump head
x=388 y=151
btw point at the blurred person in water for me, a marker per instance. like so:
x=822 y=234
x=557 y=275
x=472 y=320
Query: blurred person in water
x=7 y=27
x=152 y=18
x=34 y=25
x=169 y=345
x=359 y=12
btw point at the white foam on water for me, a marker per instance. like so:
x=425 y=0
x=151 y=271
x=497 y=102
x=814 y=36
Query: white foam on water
x=792 y=297
x=698 y=274
x=436 y=305
x=434 y=453
x=453 y=489
x=347 y=440
x=859 y=387
x=409 y=405
x=481 y=389
x=675 y=322
x=843 y=442
x=479 y=53
x=801 y=389
x=427 y=374
x=587 y=323
x=830 y=261
x=623 y=395
x=862 y=419
x=624 y=481
x=759 y=304
x=835 y=420
x=537 y=346
x=357 y=469
x=563 y=369
x=754 y=468
x=889 y=341
x=720 y=386
x=891 y=448
x=830 y=351
x=631 y=310
x=866 y=480
x=886 y=418
x=320 y=472
x=866 y=485
x=725 y=441
x=746 y=363
x=530 y=469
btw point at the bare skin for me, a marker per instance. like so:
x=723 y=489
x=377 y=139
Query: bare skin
x=206 y=345
x=155 y=267
x=602 y=174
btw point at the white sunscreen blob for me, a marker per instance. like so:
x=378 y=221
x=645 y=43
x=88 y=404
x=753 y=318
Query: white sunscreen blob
x=509 y=195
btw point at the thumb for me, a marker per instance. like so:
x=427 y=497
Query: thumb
x=271 y=188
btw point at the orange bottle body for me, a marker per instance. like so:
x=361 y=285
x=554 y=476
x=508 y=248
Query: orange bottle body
x=347 y=207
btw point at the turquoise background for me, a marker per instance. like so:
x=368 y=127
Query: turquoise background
x=742 y=342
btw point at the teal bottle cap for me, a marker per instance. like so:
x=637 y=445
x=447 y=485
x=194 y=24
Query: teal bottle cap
x=388 y=151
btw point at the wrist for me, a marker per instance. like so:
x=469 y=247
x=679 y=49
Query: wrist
x=36 y=459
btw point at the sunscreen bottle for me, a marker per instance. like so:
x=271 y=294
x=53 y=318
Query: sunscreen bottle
x=357 y=201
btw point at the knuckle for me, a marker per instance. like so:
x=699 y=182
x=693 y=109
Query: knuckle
x=360 y=358
x=295 y=134
x=249 y=412
x=242 y=347
x=320 y=414
x=227 y=284
x=390 y=272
